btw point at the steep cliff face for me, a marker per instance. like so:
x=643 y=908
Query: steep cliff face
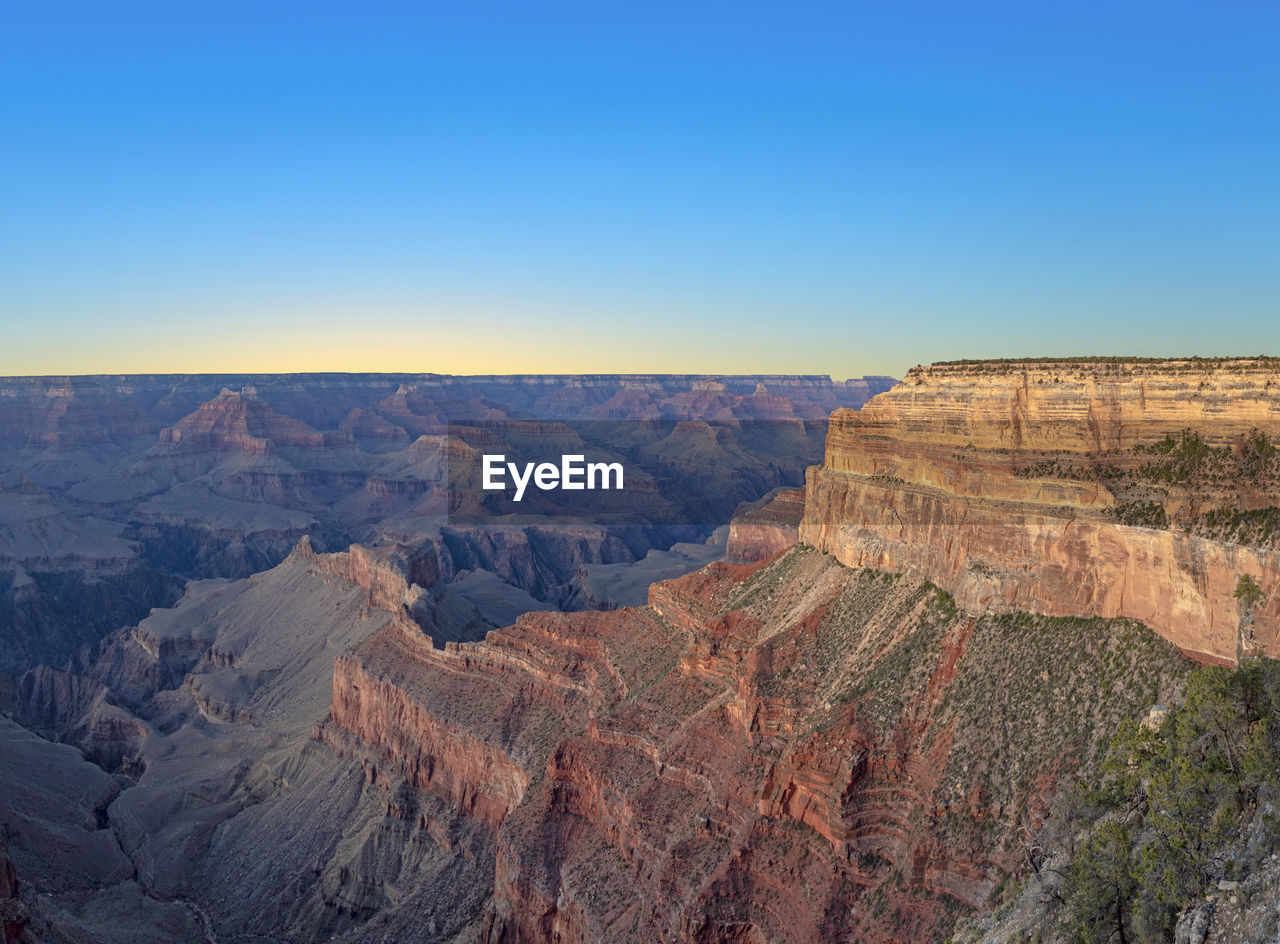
x=781 y=749
x=769 y=529
x=1069 y=488
x=371 y=702
x=231 y=803
x=1081 y=405
x=790 y=750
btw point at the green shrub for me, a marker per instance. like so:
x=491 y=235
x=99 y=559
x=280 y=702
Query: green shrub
x=1248 y=591
x=1173 y=802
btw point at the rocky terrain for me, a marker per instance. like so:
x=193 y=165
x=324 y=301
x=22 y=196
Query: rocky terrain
x=115 y=491
x=761 y=747
x=772 y=525
x=865 y=724
x=217 y=791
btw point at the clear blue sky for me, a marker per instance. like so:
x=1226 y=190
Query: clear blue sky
x=843 y=188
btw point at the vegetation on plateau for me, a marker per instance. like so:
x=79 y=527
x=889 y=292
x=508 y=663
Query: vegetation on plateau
x=1183 y=482
x=1168 y=363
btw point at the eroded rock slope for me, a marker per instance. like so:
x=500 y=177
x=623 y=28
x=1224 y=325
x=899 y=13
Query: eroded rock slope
x=793 y=751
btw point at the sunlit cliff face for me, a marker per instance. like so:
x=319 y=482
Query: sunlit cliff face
x=1067 y=488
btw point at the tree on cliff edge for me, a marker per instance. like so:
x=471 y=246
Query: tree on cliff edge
x=1102 y=886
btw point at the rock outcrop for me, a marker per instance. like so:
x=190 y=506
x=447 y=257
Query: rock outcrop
x=1067 y=488
x=782 y=751
x=785 y=748
x=231 y=803
x=766 y=530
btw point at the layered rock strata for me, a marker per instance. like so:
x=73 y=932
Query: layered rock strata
x=117 y=490
x=782 y=751
x=1011 y=484
x=766 y=530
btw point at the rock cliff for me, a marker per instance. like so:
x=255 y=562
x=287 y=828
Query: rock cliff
x=1111 y=488
x=231 y=804
x=781 y=749
x=790 y=750
x=766 y=530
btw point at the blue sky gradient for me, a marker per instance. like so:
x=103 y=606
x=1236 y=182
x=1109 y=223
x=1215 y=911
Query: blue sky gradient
x=563 y=187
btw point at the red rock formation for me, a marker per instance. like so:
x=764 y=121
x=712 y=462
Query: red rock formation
x=938 y=477
x=391 y=582
x=239 y=422
x=767 y=530
x=766 y=752
x=370 y=702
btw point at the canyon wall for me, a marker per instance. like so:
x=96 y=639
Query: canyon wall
x=1009 y=483
x=761 y=532
x=785 y=750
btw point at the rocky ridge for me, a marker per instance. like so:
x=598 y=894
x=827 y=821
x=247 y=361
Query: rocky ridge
x=764 y=751
x=807 y=746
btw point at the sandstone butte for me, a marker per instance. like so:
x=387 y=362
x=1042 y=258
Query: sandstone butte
x=1006 y=483
x=764 y=531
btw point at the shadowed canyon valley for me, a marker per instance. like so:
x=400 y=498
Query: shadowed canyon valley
x=832 y=667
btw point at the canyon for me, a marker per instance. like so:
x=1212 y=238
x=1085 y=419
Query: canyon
x=845 y=714
x=762 y=747
x=116 y=491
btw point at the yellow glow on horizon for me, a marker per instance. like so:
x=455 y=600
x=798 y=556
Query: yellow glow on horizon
x=464 y=345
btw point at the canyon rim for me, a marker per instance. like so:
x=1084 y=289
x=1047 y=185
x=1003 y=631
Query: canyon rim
x=335 y=709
